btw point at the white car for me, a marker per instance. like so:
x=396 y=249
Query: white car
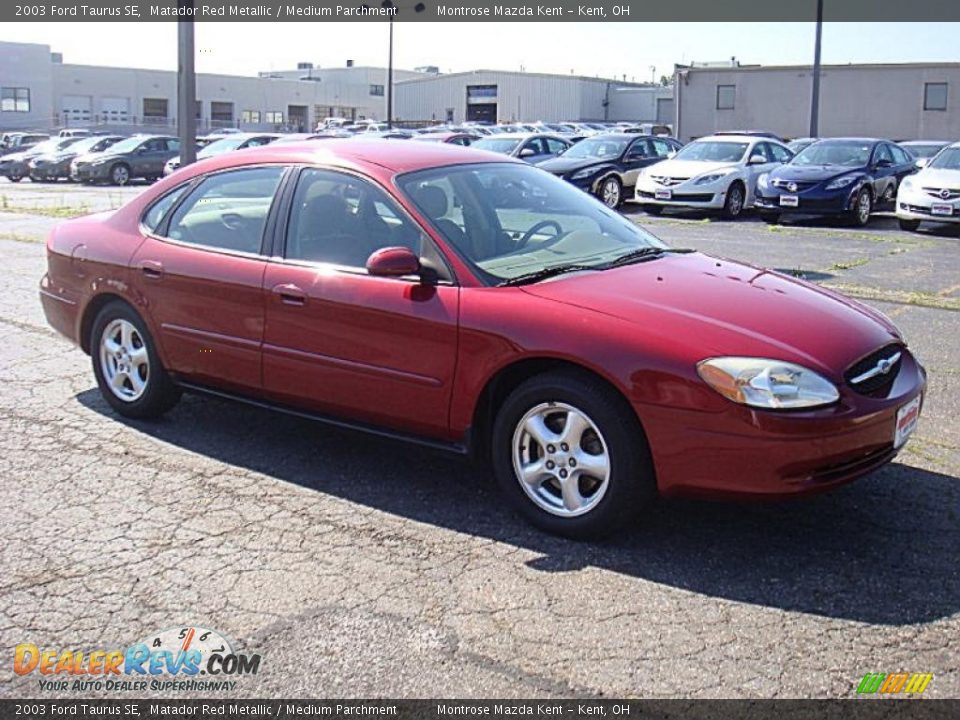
x=718 y=172
x=933 y=193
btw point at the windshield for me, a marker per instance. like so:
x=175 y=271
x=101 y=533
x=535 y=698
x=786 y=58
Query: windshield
x=948 y=159
x=826 y=152
x=713 y=151
x=47 y=146
x=128 y=145
x=597 y=148
x=923 y=151
x=511 y=220
x=798 y=145
x=87 y=144
x=505 y=146
x=221 y=146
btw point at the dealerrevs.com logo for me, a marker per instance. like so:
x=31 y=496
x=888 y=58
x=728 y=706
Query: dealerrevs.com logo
x=176 y=659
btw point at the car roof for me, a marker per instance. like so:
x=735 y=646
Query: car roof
x=735 y=138
x=396 y=157
x=927 y=142
x=853 y=139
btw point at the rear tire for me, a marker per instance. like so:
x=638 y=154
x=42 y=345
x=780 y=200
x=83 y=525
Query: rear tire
x=126 y=365
x=736 y=199
x=909 y=225
x=582 y=451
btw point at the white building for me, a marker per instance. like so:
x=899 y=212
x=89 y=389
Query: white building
x=41 y=92
x=501 y=96
x=896 y=101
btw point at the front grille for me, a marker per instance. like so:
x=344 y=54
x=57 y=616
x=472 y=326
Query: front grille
x=798 y=186
x=667 y=181
x=874 y=374
x=939 y=194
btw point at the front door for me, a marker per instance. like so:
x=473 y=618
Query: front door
x=377 y=350
x=200 y=273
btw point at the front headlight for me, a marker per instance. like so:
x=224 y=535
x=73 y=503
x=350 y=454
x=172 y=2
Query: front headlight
x=707 y=179
x=907 y=184
x=841 y=182
x=583 y=174
x=765 y=383
x=763 y=181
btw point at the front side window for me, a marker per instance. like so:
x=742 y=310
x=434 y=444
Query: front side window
x=883 y=153
x=228 y=210
x=901 y=156
x=510 y=220
x=340 y=219
x=780 y=154
x=504 y=146
x=662 y=148
x=555 y=146
x=935 y=96
x=639 y=149
x=725 y=96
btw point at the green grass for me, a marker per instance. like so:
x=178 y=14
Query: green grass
x=898 y=297
x=55 y=211
x=20 y=237
x=849 y=265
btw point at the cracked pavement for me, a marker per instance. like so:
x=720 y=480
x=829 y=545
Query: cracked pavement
x=361 y=567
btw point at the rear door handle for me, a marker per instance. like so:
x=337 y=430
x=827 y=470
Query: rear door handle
x=152 y=269
x=290 y=294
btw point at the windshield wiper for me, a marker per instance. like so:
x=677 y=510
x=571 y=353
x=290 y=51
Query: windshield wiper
x=644 y=254
x=547 y=272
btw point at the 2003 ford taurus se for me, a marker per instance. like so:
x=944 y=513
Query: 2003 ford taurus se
x=460 y=299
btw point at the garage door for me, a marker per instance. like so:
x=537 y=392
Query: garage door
x=77 y=108
x=116 y=110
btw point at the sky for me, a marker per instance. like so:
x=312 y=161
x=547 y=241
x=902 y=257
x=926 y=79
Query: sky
x=604 y=49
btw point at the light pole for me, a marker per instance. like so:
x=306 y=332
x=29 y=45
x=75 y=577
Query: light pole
x=390 y=5
x=186 y=86
x=815 y=99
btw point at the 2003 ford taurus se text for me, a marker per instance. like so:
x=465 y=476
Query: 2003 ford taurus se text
x=460 y=299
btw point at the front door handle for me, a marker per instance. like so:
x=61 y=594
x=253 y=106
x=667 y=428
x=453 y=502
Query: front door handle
x=290 y=294
x=152 y=269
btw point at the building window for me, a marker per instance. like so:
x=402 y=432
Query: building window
x=199 y=109
x=376 y=90
x=155 y=109
x=481 y=91
x=934 y=96
x=274 y=117
x=725 y=96
x=221 y=112
x=251 y=117
x=15 y=99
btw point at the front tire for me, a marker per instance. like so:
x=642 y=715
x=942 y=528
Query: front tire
x=736 y=199
x=571 y=456
x=909 y=225
x=862 y=208
x=126 y=365
x=120 y=174
x=610 y=192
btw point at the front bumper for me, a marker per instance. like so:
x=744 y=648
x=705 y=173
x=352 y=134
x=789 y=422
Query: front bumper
x=89 y=173
x=915 y=204
x=711 y=196
x=750 y=453
x=50 y=170
x=809 y=202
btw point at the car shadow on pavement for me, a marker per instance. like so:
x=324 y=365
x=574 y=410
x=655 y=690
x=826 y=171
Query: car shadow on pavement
x=881 y=551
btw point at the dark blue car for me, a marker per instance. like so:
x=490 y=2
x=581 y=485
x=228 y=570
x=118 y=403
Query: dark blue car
x=840 y=176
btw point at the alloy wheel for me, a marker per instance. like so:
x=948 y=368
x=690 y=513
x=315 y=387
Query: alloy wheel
x=124 y=360
x=610 y=193
x=120 y=175
x=561 y=459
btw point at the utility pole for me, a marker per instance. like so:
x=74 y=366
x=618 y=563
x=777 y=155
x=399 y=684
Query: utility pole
x=389 y=5
x=815 y=100
x=186 y=86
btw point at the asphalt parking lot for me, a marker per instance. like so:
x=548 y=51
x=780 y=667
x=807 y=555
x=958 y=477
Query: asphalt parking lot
x=360 y=567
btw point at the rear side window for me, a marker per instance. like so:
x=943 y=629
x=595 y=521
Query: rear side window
x=154 y=216
x=228 y=210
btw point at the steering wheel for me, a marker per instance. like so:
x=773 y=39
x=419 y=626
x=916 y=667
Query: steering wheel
x=536 y=228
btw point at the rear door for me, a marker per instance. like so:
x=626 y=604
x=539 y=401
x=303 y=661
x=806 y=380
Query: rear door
x=200 y=272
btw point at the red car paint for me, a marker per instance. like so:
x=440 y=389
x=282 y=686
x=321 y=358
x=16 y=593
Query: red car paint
x=416 y=358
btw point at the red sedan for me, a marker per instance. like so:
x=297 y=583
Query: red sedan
x=476 y=303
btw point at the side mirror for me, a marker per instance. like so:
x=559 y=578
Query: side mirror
x=757 y=160
x=393 y=262
x=921 y=163
x=527 y=152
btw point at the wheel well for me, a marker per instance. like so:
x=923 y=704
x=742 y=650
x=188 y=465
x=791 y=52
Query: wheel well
x=505 y=381
x=89 y=315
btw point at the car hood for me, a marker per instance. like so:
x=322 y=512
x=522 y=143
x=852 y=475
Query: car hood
x=18 y=156
x=933 y=177
x=688 y=168
x=813 y=173
x=701 y=307
x=562 y=166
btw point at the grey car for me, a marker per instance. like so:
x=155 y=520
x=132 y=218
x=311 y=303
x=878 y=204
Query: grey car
x=16 y=166
x=55 y=165
x=139 y=156
x=531 y=147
